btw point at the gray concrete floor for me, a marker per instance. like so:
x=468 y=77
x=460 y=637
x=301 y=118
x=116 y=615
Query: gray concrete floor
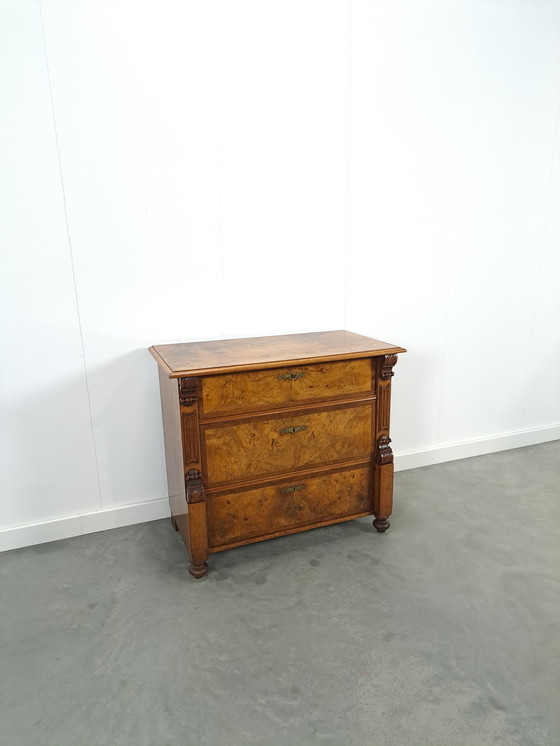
x=446 y=630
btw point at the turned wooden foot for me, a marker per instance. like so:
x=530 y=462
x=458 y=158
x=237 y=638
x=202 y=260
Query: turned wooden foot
x=381 y=524
x=198 y=571
x=174 y=524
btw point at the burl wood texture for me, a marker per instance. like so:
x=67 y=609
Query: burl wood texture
x=266 y=389
x=229 y=355
x=275 y=435
x=253 y=448
x=234 y=517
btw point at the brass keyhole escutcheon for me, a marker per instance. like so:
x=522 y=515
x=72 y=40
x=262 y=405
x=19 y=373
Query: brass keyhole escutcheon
x=286 y=430
x=294 y=488
x=291 y=376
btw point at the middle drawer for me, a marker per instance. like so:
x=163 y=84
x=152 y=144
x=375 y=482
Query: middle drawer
x=275 y=444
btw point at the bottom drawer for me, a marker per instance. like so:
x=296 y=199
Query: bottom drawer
x=235 y=517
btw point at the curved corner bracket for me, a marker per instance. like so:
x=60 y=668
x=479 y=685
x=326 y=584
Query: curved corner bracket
x=384 y=450
x=193 y=486
x=187 y=392
x=387 y=364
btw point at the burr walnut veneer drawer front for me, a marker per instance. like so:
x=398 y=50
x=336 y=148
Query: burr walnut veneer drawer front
x=278 y=387
x=259 y=513
x=274 y=435
x=242 y=450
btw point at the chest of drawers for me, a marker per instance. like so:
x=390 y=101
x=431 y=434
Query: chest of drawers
x=273 y=435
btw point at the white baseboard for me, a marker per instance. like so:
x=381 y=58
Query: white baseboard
x=479 y=447
x=88 y=523
x=153 y=510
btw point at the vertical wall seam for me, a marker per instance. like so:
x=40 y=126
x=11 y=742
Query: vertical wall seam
x=348 y=158
x=221 y=233
x=71 y=254
x=450 y=275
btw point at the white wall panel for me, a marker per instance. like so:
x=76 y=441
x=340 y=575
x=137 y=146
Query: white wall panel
x=401 y=208
x=138 y=149
x=204 y=159
x=454 y=108
x=508 y=148
x=542 y=354
x=47 y=464
x=247 y=167
x=282 y=121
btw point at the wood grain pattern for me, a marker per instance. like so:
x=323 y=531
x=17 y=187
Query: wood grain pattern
x=384 y=450
x=190 y=521
x=383 y=406
x=387 y=363
x=287 y=531
x=188 y=391
x=193 y=487
x=234 y=517
x=305 y=473
x=189 y=426
x=197 y=545
x=266 y=389
x=171 y=416
x=275 y=435
x=257 y=447
x=383 y=497
x=383 y=492
x=196 y=528
x=230 y=355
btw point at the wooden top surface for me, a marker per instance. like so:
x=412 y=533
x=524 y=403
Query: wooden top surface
x=231 y=355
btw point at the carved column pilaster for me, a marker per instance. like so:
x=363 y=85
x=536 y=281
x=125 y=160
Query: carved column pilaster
x=385 y=368
x=194 y=490
x=388 y=362
x=188 y=391
x=197 y=541
x=384 y=450
x=188 y=400
x=383 y=496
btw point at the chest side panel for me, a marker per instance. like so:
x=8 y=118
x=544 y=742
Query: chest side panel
x=172 y=437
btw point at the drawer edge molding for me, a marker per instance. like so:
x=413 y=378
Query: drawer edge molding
x=334 y=401
x=277 y=412
x=286 y=477
x=286 y=532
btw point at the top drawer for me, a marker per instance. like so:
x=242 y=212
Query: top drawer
x=258 y=390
